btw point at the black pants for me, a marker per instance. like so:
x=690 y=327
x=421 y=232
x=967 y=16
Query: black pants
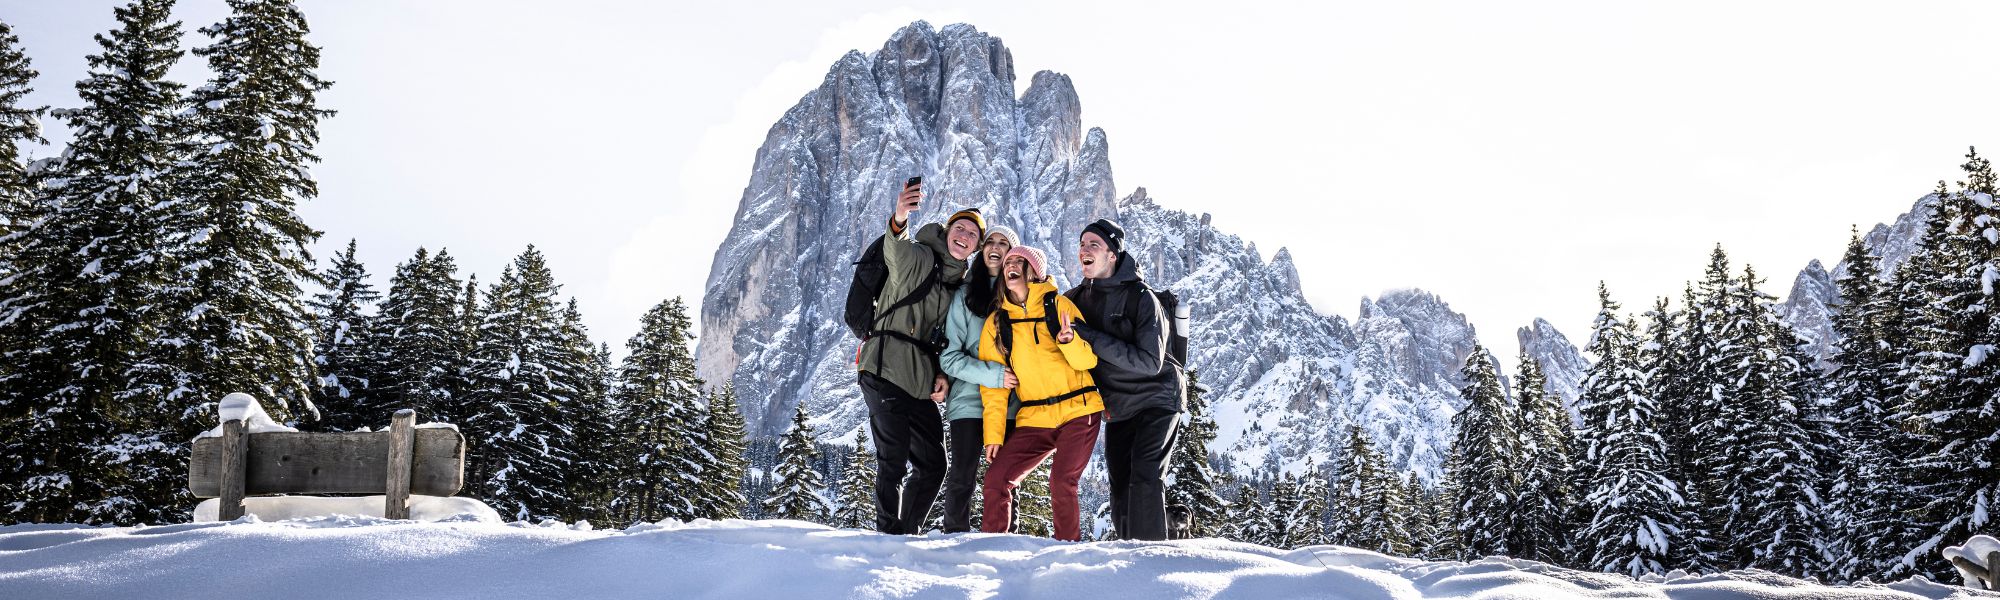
x=1135 y=454
x=968 y=449
x=909 y=440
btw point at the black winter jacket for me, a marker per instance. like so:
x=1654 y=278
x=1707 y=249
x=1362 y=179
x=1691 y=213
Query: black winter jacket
x=1133 y=373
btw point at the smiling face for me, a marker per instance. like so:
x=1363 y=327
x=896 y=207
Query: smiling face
x=962 y=238
x=1095 y=254
x=996 y=248
x=1015 y=276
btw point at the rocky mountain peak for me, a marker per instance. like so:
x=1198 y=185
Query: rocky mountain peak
x=1283 y=273
x=1562 y=364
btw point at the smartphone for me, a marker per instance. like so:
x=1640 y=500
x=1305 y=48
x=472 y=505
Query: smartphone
x=913 y=182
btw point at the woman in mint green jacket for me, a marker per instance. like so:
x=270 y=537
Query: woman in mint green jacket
x=961 y=363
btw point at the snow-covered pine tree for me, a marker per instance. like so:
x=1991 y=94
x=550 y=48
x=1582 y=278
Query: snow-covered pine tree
x=238 y=322
x=1344 y=487
x=1309 y=518
x=20 y=125
x=1919 y=336
x=1674 y=375
x=1958 y=402
x=1368 y=502
x=339 y=326
x=414 y=345
x=1286 y=504
x=456 y=380
x=1862 y=409
x=1770 y=484
x=1431 y=538
x=1680 y=381
x=1823 y=434
x=1348 y=481
x=599 y=431
x=1543 y=515
x=91 y=444
x=595 y=423
x=1386 y=507
x=1193 y=479
x=1249 y=518
x=519 y=429
x=856 y=492
x=1486 y=460
x=1691 y=375
x=796 y=483
x=723 y=487
x=661 y=396
x=1635 y=506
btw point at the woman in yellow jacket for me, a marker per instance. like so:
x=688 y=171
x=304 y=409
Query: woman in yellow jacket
x=1060 y=409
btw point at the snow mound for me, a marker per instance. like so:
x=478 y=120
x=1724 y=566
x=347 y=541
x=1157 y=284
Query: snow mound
x=359 y=557
x=245 y=408
x=283 y=508
x=1975 y=550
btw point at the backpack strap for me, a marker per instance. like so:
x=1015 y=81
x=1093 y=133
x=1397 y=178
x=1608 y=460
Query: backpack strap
x=1049 y=314
x=923 y=290
x=927 y=346
x=1133 y=300
x=1058 y=399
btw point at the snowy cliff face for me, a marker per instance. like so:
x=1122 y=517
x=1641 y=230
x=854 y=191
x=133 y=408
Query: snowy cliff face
x=1562 y=364
x=1286 y=379
x=1411 y=347
x=1278 y=369
x=1813 y=299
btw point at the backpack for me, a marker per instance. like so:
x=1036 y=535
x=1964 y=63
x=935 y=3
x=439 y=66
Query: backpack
x=865 y=289
x=1174 y=316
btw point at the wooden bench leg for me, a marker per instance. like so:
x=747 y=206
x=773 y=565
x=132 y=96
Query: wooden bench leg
x=402 y=447
x=235 y=448
x=1993 y=570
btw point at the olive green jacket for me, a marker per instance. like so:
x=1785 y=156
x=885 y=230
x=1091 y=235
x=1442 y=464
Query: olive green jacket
x=910 y=261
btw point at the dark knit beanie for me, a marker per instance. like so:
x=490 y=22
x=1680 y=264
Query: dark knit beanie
x=1113 y=234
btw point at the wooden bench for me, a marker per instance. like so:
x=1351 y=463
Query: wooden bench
x=400 y=461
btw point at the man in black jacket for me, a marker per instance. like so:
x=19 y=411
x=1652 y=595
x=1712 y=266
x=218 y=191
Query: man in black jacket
x=1144 y=392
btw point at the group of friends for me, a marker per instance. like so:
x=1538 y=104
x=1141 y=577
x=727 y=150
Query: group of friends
x=969 y=332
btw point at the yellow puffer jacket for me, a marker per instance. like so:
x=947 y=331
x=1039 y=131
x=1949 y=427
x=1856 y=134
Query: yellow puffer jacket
x=1046 y=369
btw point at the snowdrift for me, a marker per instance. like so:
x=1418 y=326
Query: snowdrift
x=464 y=557
x=422 y=508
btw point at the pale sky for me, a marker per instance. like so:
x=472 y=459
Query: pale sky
x=1506 y=156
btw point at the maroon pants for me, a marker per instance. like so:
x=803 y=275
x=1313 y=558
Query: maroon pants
x=1024 y=450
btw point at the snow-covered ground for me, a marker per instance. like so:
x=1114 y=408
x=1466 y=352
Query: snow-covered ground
x=465 y=557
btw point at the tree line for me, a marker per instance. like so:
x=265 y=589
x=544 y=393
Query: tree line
x=1710 y=439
